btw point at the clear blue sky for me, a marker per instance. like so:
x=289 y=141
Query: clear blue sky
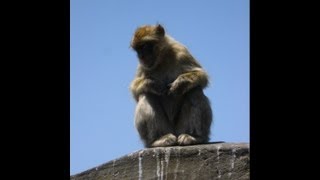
x=102 y=67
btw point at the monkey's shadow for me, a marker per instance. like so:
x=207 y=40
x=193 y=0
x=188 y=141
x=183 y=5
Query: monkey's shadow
x=214 y=142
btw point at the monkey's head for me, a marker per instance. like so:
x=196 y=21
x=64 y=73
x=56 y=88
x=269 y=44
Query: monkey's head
x=147 y=42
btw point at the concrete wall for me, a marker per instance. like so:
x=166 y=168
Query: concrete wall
x=206 y=161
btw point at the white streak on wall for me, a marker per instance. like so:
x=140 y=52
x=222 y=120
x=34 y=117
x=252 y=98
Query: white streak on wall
x=218 y=158
x=176 y=169
x=158 y=163
x=161 y=172
x=218 y=153
x=232 y=161
x=166 y=159
x=199 y=150
x=140 y=165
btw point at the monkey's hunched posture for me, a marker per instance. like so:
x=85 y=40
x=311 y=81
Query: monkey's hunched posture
x=168 y=88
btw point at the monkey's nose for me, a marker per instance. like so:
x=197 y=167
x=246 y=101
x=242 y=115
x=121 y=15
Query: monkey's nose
x=141 y=56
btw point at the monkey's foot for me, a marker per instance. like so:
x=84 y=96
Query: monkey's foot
x=186 y=139
x=166 y=140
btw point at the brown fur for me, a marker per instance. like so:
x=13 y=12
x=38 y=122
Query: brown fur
x=168 y=87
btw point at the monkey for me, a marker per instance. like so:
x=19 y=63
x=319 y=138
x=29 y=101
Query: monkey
x=171 y=107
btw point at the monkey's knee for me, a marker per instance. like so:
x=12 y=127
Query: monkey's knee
x=151 y=122
x=144 y=110
x=143 y=115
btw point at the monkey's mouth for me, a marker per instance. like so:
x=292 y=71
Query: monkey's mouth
x=145 y=61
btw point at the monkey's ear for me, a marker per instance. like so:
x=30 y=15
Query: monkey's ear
x=160 y=30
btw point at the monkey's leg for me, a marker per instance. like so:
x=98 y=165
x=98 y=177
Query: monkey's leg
x=152 y=123
x=195 y=117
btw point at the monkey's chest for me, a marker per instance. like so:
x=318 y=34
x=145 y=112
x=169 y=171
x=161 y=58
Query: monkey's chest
x=165 y=76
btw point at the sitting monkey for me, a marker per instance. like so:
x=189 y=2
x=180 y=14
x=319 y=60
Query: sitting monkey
x=168 y=88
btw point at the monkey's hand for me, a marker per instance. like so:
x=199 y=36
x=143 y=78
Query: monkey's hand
x=155 y=87
x=187 y=81
x=177 y=88
x=144 y=85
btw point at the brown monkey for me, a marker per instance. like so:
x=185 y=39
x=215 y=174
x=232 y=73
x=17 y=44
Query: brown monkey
x=171 y=106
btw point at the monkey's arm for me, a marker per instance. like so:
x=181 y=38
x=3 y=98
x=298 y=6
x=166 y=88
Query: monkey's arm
x=189 y=80
x=142 y=85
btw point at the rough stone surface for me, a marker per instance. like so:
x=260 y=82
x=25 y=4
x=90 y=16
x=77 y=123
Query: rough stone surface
x=206 y=161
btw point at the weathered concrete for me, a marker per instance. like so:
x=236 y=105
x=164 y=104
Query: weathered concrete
x=206 y=161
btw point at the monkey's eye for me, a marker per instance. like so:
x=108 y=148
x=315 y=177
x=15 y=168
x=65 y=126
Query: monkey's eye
x=145 y=48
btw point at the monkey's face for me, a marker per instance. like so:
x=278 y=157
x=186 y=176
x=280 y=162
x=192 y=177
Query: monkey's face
x=146 y=52
x=146 y=42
